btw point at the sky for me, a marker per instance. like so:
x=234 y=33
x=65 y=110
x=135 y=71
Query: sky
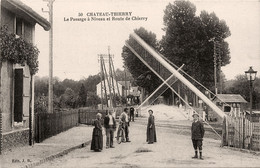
x=78 y=43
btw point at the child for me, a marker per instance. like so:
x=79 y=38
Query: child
x=197 y=133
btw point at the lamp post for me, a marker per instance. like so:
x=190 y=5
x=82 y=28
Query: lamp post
x=251 y=75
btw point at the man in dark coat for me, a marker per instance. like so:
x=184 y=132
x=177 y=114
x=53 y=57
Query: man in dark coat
x=197 y=134
x=132 y=114
x=151 y=133
x=110 y=125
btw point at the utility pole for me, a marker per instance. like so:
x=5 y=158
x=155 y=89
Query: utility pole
x=101 y=84
x=219 y=67
x=215 y=64
x=50 y=100
x=111 y=75
x=1 y=122
x=215 y=67
x=125 y=86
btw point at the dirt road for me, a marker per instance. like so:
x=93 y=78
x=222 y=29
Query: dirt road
x=173 y=149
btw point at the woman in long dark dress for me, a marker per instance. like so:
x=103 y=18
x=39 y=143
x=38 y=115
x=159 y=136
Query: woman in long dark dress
x=97 y=137
x=151 y=133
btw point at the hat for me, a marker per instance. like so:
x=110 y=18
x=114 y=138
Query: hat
x=99 y=115
x=195 y=114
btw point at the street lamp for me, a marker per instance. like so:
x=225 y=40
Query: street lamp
x=251 y=75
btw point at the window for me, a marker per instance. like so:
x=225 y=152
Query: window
x=19 y=27
x=227 y=108
x=18 y=95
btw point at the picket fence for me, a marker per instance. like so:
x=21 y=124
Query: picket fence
x=50 y=124
x=241 y=133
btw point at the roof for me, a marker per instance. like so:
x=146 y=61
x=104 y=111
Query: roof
x=24 y=11
x=253 y=112
x=231 y=98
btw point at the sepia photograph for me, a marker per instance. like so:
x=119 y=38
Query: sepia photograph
x=129 y=83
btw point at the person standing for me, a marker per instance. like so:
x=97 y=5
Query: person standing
x=197 y=134
x=110 y=125
x=97 y=136
x=125 y=120
x=151 y=133
x=132 y=113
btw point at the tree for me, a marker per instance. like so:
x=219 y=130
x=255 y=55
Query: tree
x=93 y=100
x=41 y=86
x=91 y=82
x=135 y=66
x=82 y=98
x=122 y=75
x=187 y=40
x=68 y=99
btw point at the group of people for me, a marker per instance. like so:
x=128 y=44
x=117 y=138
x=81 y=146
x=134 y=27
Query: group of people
x=197 y=131
x=110 y=127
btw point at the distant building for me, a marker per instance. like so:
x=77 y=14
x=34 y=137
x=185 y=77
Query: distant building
x=126 y=86
x=17 y=98
x=125 y=89
x=99 y=92
x=135 y=95
x=231 y=104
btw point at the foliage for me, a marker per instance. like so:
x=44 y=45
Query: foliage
x=41 y=104
x=82 y=96
x=93 y=100
x=68 y=99
x=135 y=66
x=60 y=90
x=91 y=82
x=241 y=86
x=18 y=51
x=124 y=75
x=187 y=40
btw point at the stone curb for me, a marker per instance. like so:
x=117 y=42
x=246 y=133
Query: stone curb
x=243 y=150
x=59 y=154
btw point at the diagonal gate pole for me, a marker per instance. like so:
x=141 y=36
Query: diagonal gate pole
x=156 y=91
x=178 y=75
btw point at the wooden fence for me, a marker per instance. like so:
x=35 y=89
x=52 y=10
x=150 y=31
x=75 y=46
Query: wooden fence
x=50 y=124
x=256 y=137
x=241 y=133
x=86 y=116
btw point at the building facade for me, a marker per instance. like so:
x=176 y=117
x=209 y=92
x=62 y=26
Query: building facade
x=17 y=89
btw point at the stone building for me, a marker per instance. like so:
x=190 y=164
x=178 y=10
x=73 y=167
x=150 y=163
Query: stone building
x=16 y=80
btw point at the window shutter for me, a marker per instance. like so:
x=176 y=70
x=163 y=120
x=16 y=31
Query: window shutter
x=18 y=95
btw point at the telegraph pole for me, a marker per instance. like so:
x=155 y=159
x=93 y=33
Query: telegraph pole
x=1 y=122
x=219 y=67
x=215 y=67
x=50 y=100
x=215 y=63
